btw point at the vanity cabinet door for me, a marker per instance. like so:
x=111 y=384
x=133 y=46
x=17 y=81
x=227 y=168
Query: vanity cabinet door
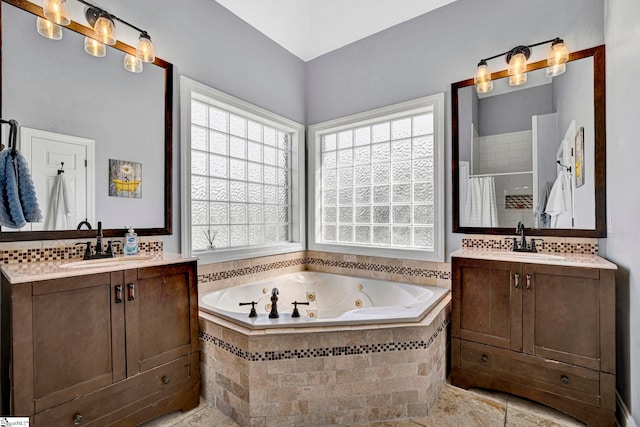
x=77 y=337
x=162 y=315
x=562 y=313
x=487 y=302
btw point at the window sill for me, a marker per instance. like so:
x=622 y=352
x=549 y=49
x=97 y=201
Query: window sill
x=223 y=255
x=409 y=254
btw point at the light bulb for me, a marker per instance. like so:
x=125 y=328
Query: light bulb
x=104 y=30
x=48 y=29
x=145 y=50
x=132 y=63
x=56 y=11
x=517 y=64
x=94 y=47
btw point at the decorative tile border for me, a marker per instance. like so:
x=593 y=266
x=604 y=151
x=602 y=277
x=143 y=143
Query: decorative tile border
x=244 y=271
x=323 y=352
x=73 y=251
x=586 y=248
x=405 y=271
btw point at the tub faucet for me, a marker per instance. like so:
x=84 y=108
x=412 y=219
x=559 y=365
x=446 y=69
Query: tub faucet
x=274 y=304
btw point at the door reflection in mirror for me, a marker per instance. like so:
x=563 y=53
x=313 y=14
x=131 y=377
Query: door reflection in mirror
x=68 y=197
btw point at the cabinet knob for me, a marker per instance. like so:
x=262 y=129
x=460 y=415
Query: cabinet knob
x=528 y=282
x=564 y=379
x=77 y=419
x=516 y=280
x=484 y=358
x=166 y=380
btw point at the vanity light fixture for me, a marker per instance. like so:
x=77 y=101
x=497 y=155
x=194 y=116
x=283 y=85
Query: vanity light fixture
x=104 y=27
x=56 y=13
x=517 y=64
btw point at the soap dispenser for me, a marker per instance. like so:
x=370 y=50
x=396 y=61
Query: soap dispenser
x=130 y=243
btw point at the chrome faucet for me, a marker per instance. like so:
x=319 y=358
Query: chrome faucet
x=274 y=304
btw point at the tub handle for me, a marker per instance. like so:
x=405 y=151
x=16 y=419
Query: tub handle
x=296 y=313
x=252 y=313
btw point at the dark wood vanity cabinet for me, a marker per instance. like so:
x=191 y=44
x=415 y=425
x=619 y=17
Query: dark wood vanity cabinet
x=115 y=348
x=544 y=332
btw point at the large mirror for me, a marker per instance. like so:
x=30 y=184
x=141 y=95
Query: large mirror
x=111 y=128
x=533 y=153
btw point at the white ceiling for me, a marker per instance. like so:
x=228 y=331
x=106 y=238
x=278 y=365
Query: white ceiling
x=310 y=28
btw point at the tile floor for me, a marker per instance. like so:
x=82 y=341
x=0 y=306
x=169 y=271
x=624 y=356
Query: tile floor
x=455 y=407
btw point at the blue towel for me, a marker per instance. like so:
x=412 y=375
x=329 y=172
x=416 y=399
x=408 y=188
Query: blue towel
x=18 y=201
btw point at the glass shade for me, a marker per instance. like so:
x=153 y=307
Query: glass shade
x=56 y=11
x=557 y=59
x=518 y=79
x=483 y=78
x=94 y=47
x=517 y=64
x=104 y=30
x=145 y=50
x=133 y=64
x=48 y=29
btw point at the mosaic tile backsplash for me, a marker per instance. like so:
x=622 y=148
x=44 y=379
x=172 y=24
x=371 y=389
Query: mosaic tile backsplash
x=547 y=244
x=14 y=253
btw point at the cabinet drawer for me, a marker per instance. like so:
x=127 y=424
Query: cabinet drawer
x=560 y=378
x=121 y=397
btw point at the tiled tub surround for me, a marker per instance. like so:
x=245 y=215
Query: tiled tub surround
x=213 y=277
x=324 y=376
x=55 y=250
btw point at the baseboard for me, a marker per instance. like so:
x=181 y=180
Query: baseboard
x=626 y=419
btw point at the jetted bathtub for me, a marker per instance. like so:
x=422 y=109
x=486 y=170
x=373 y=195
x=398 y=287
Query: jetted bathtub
x=334 y=300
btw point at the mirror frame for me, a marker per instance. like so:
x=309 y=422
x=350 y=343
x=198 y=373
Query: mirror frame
x=168 y=146
x=599 y=107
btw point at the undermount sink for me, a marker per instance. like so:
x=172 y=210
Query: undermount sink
x=534 y=255
x=104 y=262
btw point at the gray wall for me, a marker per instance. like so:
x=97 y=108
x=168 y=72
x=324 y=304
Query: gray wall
x=623 y=199
x=511 y=112
x=426 y=54
x=573 y=95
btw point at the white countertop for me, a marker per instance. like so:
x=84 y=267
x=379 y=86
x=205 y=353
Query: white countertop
x=565 y=259
x=45 y=270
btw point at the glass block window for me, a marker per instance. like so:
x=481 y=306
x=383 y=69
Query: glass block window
x=240 y=180
x=377 y=184
x=379 y=181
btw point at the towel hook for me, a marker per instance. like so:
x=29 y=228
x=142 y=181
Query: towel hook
x=568 y=168
x=61 y=170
